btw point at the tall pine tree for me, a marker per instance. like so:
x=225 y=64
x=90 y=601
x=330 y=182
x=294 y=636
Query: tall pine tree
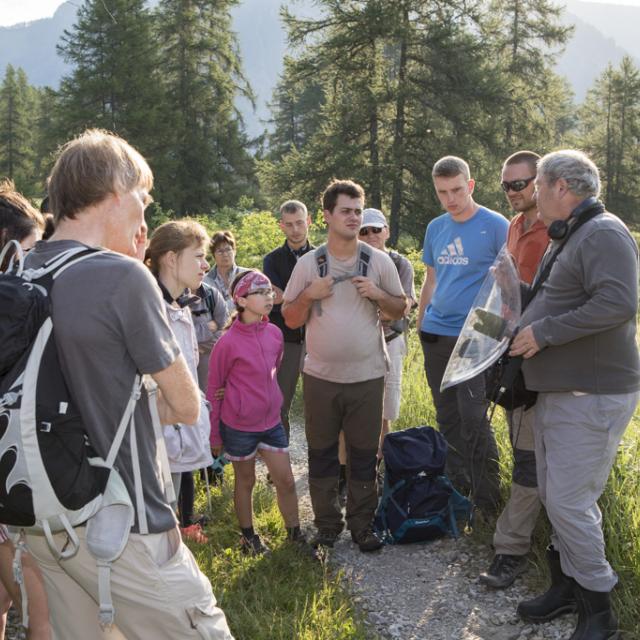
x=525 y=38
x=403 y=81
x=114 y=79
x=18 y=105
x=206 y=163
x=609 y=129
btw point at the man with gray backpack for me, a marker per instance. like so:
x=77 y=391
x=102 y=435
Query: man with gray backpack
x=123 y=368
x=340 y=290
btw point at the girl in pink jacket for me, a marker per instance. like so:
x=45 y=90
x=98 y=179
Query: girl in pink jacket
x=244 y=363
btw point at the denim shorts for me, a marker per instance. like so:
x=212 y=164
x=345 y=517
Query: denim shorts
x=243 y=445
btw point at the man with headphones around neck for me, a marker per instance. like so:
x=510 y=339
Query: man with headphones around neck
x=578 y=341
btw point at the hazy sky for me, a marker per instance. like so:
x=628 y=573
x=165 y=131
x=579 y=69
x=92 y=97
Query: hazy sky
x=14 y=11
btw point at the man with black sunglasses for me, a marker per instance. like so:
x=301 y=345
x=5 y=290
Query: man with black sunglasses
x=527 y=241
x=527 y=238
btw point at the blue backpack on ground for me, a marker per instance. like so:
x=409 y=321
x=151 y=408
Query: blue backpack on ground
x=418 y=501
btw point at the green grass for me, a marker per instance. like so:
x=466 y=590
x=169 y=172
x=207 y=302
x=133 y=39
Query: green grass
x=288 y=595
x=620 y=506
x=278 y=597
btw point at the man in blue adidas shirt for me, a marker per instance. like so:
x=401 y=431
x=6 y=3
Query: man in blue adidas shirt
x=459 y=247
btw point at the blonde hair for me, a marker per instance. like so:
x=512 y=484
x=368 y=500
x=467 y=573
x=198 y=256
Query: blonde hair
x=173 y=236
x=91 y=167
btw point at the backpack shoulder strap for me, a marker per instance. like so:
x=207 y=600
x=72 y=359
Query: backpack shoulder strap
x=364 y=257
x=322 y=260
x=47 y=273
x=208 y=297
x=396 y=258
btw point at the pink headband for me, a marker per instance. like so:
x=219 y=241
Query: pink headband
x=249 y=283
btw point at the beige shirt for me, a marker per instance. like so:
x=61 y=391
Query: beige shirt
x=344 y=339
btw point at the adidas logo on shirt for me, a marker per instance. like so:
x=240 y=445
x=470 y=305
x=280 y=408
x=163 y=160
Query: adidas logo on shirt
x=453 y=254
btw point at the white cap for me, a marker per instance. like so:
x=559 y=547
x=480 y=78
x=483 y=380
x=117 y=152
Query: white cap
x=373 y=218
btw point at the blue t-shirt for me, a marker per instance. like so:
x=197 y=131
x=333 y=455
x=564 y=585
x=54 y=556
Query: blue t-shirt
x=461 y=254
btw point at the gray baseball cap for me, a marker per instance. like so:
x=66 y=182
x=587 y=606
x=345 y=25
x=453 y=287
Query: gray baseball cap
x=373 y=218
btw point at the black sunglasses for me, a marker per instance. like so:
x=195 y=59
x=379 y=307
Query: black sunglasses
x=516 y=185
x=365 y=230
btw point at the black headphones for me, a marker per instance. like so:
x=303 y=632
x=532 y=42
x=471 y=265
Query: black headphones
x=559 y=229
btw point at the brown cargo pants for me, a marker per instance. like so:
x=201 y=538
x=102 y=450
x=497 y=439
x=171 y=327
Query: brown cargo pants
x=356 y=410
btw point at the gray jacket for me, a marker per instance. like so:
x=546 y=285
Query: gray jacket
x=584 y=316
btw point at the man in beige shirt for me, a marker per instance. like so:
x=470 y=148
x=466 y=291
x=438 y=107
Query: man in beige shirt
x=345 y=363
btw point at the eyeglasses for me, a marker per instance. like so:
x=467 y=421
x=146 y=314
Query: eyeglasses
x=365 y=230
x=516 y=185
x=262 y=292
x=220 y=252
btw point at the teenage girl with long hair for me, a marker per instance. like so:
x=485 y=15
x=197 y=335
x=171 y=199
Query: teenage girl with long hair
x=244 y=363
x=176 y=256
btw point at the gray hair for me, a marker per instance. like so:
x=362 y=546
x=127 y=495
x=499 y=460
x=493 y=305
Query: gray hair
x=580 y=172
x=293 y=206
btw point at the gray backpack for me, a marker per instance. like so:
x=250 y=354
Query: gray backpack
x=321 y=256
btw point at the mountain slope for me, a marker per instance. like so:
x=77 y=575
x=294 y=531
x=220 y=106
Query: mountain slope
x=603 y=34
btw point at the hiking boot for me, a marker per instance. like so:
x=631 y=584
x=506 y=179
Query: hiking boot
x=324 y=538
x=367 y=540
x=596 y=620
x=504 y=570
x=556 y=601
x=253 y=546
x=194 y=533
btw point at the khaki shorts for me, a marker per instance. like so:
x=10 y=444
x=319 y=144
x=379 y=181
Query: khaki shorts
x=157 y=588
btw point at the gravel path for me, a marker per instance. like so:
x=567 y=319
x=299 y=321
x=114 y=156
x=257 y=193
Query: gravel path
x=426 y=591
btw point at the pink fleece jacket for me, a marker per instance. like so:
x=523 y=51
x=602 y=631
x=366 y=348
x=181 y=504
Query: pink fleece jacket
x=245 y=361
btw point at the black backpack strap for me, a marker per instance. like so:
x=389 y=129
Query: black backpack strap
x=322 y=260
x=364 y=257
x=208 y=297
